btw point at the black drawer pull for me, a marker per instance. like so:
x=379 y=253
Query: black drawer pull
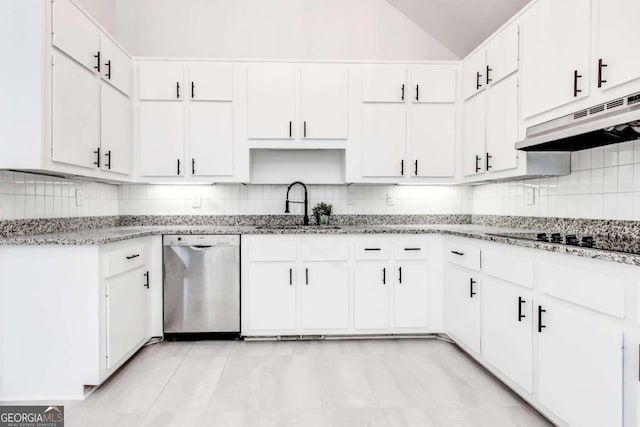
x=133 y=256
x=306 y=276
x=372 y=249
x=291 y=277
x=520 y=315
x=412 y=249
x=400 y=275
x=457 y=253
x=471 y=283
x=540 y=325
x=146 y=275
x=384 y=276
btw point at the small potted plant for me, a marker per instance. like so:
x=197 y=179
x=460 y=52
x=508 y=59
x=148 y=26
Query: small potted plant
x=321 y=212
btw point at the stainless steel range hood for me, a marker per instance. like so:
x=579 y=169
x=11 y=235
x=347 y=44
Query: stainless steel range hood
x=609 y=123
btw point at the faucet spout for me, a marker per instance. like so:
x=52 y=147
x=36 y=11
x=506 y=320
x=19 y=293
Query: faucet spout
x=306 y=201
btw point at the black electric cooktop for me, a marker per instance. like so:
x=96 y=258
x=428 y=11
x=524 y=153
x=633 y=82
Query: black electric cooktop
x=601 y=242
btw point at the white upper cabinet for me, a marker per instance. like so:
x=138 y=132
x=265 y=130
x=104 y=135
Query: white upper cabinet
x=433 y=84
x=474 y=74
x=617 y=52
x=75 y=34
x=161 y=145
x=211 y=138
x=116 y=131
x=115 y=66
x=162 y=81
x=76 y=113
x=554 y=56
x=433 y=139
x=502 y=55
x=384 y=83
x=324 y=101
x=383 y=140
x=473 y=135
x=501 y=125
x=210 y=81
x=271 y=92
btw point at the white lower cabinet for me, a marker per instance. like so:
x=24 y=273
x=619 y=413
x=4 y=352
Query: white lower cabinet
x=371 y=295
x=410 y=295
x=462 y=306
x=272 y=297
x=325 y=296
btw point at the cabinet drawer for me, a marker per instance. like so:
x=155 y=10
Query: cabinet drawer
x=404 y=248
x=125 y=259
x=463 y=254
x=325 y=248
x=592 y=289
x=372 y=249
x=515 y=269
x=273 y=248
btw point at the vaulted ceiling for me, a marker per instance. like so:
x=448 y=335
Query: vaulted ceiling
x=460 y=25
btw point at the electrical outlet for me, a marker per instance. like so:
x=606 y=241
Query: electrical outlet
x=79 y=198
x=389 y=200
x=529 y=195
x=197 y=202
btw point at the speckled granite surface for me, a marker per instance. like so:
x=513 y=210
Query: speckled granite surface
x=25 y=227
x=133 y=227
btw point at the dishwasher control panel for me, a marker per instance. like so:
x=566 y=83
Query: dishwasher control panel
x=201 y=240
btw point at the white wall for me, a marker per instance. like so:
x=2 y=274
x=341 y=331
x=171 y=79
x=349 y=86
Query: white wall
x=103 y=11
x=604 y=184
x=298 y=29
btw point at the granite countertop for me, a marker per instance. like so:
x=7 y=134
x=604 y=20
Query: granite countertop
x=105 y=235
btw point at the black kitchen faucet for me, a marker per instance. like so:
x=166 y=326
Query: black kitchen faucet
x=306 y=201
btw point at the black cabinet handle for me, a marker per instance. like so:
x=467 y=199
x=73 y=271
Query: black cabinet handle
x=400 y=275
x=178 y=166
x=402 y=167
x=417 y=92
x=520 y=315
x=412 y=249
x=193 y=90
x=371 y=249
x=108 y=73
x=471 y=283
x=478 y=163
x=291 y=277
x=488 y=166
x=146 y=275
x=601 y=65
x=97 y=153
x=576 y=76
x=457 y=253
x=540 y=325
x=97 y=66
x=306 y=276
x=304 y=129
x=488 y=79
x=478 y=85
x=384 y=276
x=415 y=165
x=193 y=166
x=132 y=256
x=108 y=156
x=178 y=90
x=290 y=129
x=402 y=96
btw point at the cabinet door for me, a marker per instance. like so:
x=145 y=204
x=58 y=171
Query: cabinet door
x=474 y=74
x=507 y=330
x=462 y=307
x=383 y=140
x=473 y=135
x=75 y=34
x=271 y=296
x=555 y=37
x=502 y=55
x=161 y=138
x=116 y=66
x=323 y=101
x=161 y=80
x=384 y=83
x=127 y=317
x=325 y=295
x=433 y=83
x=579 y=361
x=410 y=293
x=76 y=113
x=116 y=130
x=502 y=125
x=371 y=295
x=616 y=36
x=210 y=81
x=211 y=138
x=271 y=103
x=433 y=140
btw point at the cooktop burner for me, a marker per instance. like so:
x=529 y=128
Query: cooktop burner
x=602 y=242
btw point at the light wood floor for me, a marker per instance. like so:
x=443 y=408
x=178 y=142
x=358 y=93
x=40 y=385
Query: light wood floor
x=416 y=382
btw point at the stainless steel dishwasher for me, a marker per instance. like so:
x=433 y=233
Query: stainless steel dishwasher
x=201 y=286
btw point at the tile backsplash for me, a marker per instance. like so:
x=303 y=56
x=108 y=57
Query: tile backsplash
x=604 y=184
x=25 y=195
